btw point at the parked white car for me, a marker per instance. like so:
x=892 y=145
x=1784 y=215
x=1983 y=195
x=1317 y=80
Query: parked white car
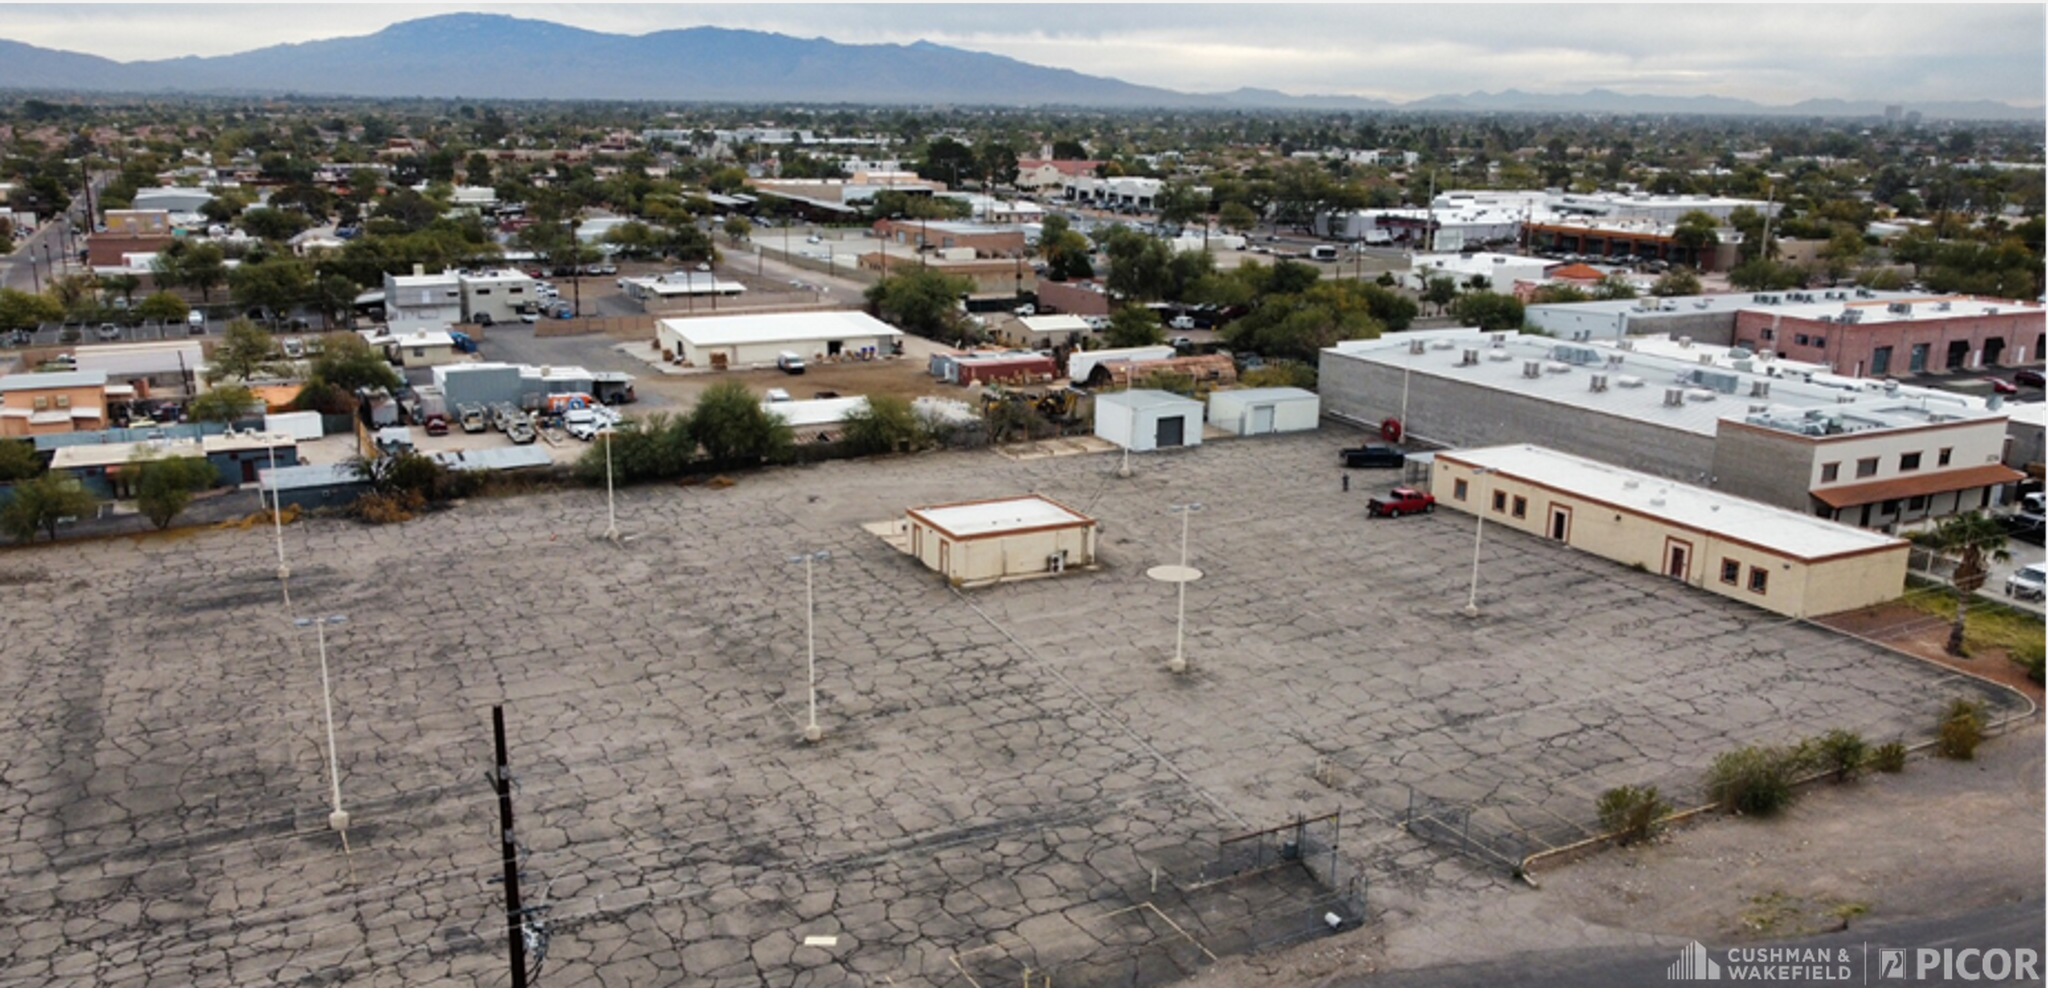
x=2028 y=583
x=581 y=423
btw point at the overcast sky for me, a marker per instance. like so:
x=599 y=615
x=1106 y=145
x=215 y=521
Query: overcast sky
x=1772 y=54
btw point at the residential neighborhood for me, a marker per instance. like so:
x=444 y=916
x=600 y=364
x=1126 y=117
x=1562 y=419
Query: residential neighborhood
x=698 y=541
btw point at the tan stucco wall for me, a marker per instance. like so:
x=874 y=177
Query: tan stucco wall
x=982 y=560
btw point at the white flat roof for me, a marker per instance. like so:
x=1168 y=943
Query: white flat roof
x=1055 y=324
x=977 y=519
x=814 y=411
x=1787 y=533
x=1636 y=387
x=1142 y=399
x=780 y=327
x=53 y=379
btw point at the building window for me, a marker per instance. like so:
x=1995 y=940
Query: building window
x=63 y=401
x=1459 y=489
x=1941 y=459
x=1799 y=338
x=42 y=402
x=1881 y=360
x=1909 y=462
x=1820 y=341
x=1830 y=472
x=1759 y=579
x=1917 y=502
x=1731 y=572
x=1500 y=501
x=1866 y=467
x=483 y=291
x=1521 y=507
x=1890 y=507
x=1770 y=334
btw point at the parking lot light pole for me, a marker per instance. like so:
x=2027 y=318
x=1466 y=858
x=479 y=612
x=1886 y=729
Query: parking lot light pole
x=339 y=818
x=1180 y=620
x=1478 y=532
x=812 y=732
x=611 y=511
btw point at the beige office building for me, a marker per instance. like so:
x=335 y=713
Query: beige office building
x=1783 y=561
x=981 y=542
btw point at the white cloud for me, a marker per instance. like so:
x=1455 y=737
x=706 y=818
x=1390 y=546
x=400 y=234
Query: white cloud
x=1773 y=54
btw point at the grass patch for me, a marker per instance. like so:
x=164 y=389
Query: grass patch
x=1990 y=624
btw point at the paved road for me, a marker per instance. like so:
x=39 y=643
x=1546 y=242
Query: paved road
x=2013 y=927
x=30 y=264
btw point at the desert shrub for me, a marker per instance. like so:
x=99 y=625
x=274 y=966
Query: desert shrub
x=389 y=508
x=1889 y=757
x=1756 y=779
x=1632 y=814
x=1962 y=730
x=1840 y=752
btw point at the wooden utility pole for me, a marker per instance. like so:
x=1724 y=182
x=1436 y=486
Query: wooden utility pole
x=515 y=937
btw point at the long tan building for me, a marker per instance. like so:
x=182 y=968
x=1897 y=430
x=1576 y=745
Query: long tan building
x=1783 y=561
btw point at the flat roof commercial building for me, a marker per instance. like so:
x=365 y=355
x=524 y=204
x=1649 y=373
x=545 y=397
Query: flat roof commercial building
x=1782 y=561
x=755 y=340
x=1142 y=421
x=1872 y=456
x=1263 y=411
x=981 y=542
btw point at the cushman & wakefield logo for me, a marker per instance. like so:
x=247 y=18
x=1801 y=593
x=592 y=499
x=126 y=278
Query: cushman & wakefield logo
x=1844 y=964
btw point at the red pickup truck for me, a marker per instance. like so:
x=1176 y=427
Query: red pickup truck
x=1400 y=501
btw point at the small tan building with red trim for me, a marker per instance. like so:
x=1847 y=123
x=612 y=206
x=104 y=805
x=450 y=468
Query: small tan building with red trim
x=1782 y=561
x=987 y=541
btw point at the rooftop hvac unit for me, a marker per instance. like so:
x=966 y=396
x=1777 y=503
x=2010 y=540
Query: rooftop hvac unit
x=1845 y=399
x=1532 y=368
x=1500 y=340
x=1759 y=389
x=1614 y=360
x=1553 y=367
x=1469 y=358
x=1685 y=342
x=1899 y=308
x=1674 y=397
x=1766 y=354
x=1991 y=310
x=1865 y=293
x=1891 y=388
x=1441 y=344
x=1599 y=382
x=1744 y=365
x=1701 y=303
x=1499 y=356
x=1756 y=410
x=1627 y=344
x=1699 y=394
x=1415 y=346
x=1627 y=381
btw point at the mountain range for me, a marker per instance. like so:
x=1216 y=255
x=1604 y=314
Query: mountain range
x=493 y=56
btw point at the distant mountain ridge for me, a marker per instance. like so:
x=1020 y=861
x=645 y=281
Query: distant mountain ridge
x=495 y=56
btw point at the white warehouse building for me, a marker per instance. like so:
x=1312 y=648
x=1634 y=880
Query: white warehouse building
x=755 y=340
x=1261 y=411
x=1142 y=421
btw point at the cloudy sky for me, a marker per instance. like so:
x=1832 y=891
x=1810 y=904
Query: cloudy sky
x=1780 y=53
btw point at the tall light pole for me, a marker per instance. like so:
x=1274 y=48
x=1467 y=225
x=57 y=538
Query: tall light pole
x=611 y=511
x=812 y=732
x=339 y=818
x=1478 y=532
x=1182 y=575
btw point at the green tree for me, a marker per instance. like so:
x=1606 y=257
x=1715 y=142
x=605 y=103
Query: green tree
x=1971 y=539
x=18 y=460
x=200 y=267
x=1614 y=287
x=1764 y=275
x=225 y=403
x=1134 y=325
x=21 y=310
x=1697 y=232
x=1677 y=281
x=657 y=447
x=1489 y=311
x=923 y=301
x=1440 y=291
x=164 y=486
x=1237 y=217
x=276 y=284
x=347 y=363
x=39 y=504
x=274 y=224
x=1179 y=202
x=737 y=228
x=1064 y=250
x=163 y=307
x=734 y=430
x=244 y=351
x=123 y=285
x=887 y=424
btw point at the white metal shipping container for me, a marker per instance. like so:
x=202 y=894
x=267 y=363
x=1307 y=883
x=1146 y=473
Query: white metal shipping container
x=1259 y=411
x=1142 y=421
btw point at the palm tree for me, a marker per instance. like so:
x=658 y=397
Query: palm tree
x=1971 y=539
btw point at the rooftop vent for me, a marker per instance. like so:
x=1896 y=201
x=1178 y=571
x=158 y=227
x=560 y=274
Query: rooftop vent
x=1699 y=394
x=1685 y=342
x=1499 y=356
x=1674 y=397
x=1554 y=367
x=1627 y=381
x=1415 y=346
x=1532 y=368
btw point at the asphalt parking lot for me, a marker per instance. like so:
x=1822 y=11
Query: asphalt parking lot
x=1002 y=769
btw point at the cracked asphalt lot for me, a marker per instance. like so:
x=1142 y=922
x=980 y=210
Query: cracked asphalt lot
x=1002 y=769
